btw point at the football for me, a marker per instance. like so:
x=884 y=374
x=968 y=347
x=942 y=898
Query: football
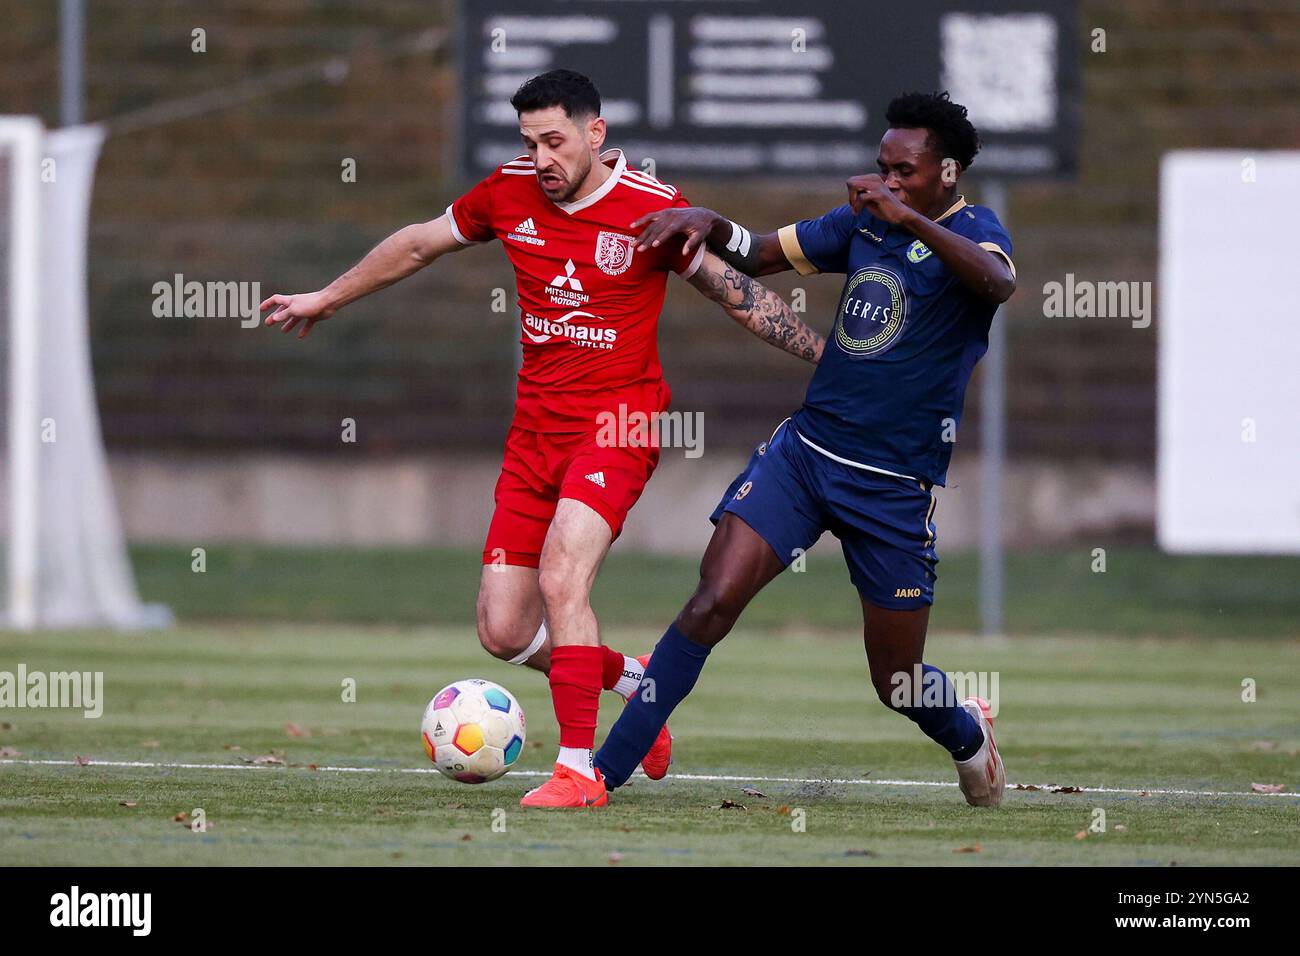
x=473 y=730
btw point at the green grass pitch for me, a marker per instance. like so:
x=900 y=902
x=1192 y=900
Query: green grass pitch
x=1129 y=714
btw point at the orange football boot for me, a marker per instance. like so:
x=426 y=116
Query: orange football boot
x=568 y=788
x=657 y=761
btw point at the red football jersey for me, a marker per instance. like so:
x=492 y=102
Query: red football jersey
x=589 y=302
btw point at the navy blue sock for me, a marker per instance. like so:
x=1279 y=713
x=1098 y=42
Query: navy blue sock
x=674 y=667
x=936 y=710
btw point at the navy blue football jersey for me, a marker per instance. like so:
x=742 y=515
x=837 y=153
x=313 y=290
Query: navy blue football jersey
x=889 y=390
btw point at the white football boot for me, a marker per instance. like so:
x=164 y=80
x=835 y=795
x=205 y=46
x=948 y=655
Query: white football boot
x=983 y=778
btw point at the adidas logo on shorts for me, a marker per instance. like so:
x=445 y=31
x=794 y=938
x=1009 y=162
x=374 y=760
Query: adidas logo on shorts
x=596 y=478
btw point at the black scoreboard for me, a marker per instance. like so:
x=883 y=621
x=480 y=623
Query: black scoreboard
x=778 y=88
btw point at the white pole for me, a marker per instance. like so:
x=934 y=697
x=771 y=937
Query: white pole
x=993 y=415
x=25 y=135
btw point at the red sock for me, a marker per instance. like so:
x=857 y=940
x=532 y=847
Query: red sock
x=576 y=674
x=613 y=668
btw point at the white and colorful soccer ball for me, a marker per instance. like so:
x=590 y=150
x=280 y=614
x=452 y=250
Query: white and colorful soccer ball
x=473 y=730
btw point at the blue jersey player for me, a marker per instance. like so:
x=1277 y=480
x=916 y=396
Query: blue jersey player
x=924 y=273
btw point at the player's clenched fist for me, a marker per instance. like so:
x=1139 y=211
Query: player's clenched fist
x=305 y=308
x=869 y=191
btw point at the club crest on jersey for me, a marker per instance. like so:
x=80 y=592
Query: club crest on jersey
x=918 y=251
x=613 y=253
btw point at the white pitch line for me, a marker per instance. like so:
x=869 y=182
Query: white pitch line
x=703 y=777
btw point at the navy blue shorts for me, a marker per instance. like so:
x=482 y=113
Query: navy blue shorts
x=790 y=494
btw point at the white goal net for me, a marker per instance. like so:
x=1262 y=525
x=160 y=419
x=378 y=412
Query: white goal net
x=64 y=559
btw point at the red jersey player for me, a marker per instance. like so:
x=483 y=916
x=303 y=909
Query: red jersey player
x=589 y=310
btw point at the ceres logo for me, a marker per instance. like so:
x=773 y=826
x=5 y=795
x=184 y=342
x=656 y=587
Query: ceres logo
x=873 y=311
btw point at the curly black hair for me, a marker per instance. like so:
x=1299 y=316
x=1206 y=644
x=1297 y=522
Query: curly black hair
x=951 y=133
x=567 y=88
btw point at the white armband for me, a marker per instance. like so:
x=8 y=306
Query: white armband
x=739 y=241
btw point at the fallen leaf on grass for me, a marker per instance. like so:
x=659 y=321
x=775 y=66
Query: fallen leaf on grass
x=753 y=792
x=8 y=752
x=182 y=817
x=1143 y=793
x=312 y=766
x=731 y=805
x=466 y=838
x=231 y=747
x=1120 y=828
x=615 y=858
x=784 y=809
x=296 y=730
x=1081 y=835
x=82 y=761
x=1268 y=787
x=1026 y=786
x=973 y=848
x=455 y=806
x=151 y=744
x=858 y=853
x=127 y=803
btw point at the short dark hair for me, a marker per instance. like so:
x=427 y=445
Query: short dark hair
x=566 y=88
x=952 y=132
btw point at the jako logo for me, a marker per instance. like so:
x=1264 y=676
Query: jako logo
x=103 y=909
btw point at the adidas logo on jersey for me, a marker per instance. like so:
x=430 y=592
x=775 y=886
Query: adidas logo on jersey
x=596 y=478
x=526 y=231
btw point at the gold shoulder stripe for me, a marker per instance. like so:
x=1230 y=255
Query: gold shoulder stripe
x=789 y=237
x=995 y=248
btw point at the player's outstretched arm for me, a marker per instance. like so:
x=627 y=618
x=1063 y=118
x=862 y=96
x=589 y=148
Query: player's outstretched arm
x=404 y=252
x=734 y=244
x=757 y=308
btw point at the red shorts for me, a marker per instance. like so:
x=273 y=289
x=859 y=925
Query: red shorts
x=540 y=468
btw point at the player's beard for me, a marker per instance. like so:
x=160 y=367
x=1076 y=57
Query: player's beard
x=571 y=185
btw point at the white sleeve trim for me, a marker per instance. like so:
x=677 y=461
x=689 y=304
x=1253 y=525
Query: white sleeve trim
x=694 y=267
x=455 y=229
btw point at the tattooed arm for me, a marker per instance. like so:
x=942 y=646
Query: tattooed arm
x=757 y=308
